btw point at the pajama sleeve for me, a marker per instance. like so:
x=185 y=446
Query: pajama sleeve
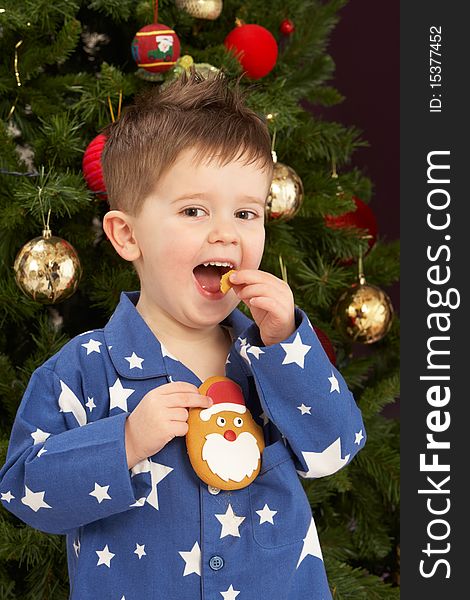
x=62 y=472
x=306 y=397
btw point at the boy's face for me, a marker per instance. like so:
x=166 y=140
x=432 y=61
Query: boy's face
x=199 y=213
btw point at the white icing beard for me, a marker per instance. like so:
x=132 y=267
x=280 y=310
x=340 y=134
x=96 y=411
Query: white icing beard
x=231 y=460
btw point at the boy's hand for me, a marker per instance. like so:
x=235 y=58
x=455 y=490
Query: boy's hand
x=270 y=301
x=160 y=416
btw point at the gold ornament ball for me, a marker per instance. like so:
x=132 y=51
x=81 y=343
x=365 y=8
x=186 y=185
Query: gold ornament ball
x=47 y=269
x=201 y=9
x=184 y=64
x=363 y=313
x=286 y=193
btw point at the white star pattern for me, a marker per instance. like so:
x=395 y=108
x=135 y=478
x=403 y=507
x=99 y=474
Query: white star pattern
x=118 y=396
x=266 y=515
x=295 y=352
x=90 y=404
x=243 y=352
x=334 y=383
x=230 y=594
x=35 y=500
x=140 y=550
x=227 y=362
x=192 y=560
x=324 y=463
x=311 y=544
x=230 y=523
x=140 y=502
x=76 y=547
x=166 y=353
x=41 y=452
x=305 y=410
x=7 y=497
x=359 y=437
x=100 y=492
x=39 y=436
x=92 y=346
x=255 y=351
x=104 y=557
x=157 y=472
x=135 y=362
x=68 y=402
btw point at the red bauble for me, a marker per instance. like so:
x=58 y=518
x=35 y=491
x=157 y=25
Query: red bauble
x=255 y=48
x=326 y=343
x=156 y=48
x=91 y=165
x=287 y=27
x=361 y=218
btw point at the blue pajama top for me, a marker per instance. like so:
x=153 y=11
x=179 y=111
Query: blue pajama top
x=157 y=532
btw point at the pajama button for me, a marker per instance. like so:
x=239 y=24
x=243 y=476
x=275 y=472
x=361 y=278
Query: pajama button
x=216 y=563
x=213 y=490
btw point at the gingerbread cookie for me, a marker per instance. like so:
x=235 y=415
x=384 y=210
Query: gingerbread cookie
x=224 y=443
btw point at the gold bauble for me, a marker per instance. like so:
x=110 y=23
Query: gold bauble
x=184 y=65
x=201 y=9
x=47 y=269
x=286 y=193
x=363 y=313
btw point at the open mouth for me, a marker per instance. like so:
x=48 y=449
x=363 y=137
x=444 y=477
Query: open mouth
x=208 y=275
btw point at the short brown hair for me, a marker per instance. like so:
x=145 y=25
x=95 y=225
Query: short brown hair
x=209 y=115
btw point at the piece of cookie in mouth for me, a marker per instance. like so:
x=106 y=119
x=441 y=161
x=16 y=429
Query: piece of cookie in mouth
x=208 y=275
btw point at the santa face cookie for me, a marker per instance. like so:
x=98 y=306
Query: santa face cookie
x=224 y=443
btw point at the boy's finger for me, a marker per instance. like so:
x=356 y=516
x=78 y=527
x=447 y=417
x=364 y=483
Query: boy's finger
x=190 y=401
x=177 y=387
x=254 y=289
x=246 y=276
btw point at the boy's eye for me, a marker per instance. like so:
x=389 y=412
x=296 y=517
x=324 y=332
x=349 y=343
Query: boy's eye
x=193 y=211
x=246 y=215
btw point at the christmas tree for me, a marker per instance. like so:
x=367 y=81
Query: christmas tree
x=66 y=71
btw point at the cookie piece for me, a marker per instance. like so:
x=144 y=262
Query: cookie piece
x=225 y=284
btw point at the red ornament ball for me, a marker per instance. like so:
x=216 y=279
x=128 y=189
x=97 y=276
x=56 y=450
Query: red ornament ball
x=156 y=48
x=361 y=218
x=255 y=48
x=91 y=165
x=326 y=343
x=287 y=27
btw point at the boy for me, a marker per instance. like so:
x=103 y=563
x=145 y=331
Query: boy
x=97 y=450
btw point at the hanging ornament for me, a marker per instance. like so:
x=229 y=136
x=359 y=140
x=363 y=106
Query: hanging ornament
x=184 y=64
x=287 y=27
x=155 y=47
x=360 y=218
x=254 y=47
x=363 y=312
x=47 y=269
x=286 y=192
x=91 y=165
x=91 y=162
x=201 y=9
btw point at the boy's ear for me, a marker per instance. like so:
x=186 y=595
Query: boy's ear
x=118 y=227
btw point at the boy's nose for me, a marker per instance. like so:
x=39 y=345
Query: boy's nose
x=223 y=232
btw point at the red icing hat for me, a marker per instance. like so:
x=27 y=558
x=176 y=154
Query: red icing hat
x=226 y=395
